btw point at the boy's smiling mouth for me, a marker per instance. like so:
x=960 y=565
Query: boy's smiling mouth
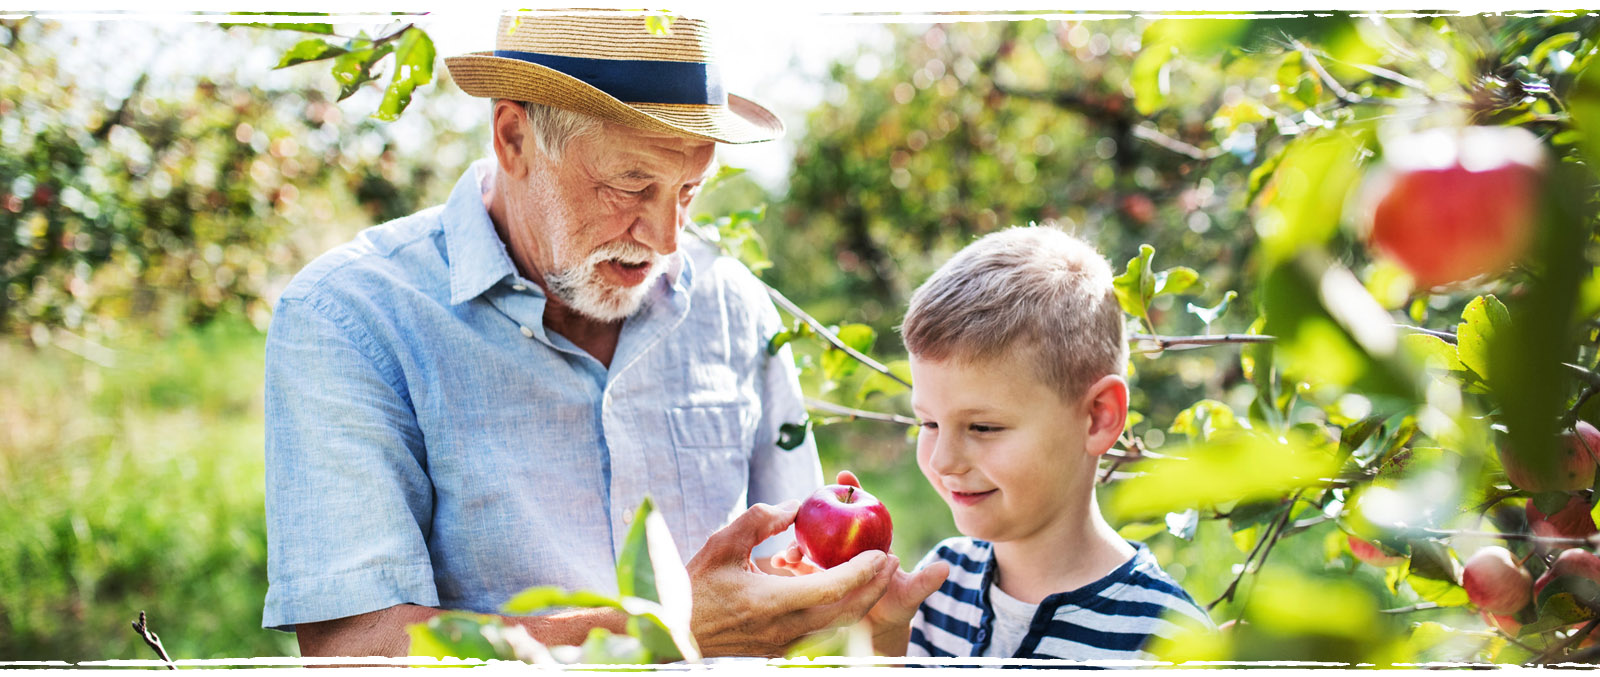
x=970 y=497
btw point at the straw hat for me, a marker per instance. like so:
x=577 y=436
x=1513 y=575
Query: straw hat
x=609 y=65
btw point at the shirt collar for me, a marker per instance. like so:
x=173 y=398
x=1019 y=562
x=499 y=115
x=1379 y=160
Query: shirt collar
x=478 y=259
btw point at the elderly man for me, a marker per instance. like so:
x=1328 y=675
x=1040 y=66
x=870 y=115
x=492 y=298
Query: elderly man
x=472 y=400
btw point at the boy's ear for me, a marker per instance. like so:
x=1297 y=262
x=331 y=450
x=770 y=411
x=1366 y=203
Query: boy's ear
x=1107 y=403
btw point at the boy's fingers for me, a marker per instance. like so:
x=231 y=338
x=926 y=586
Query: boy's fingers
x=924 y=582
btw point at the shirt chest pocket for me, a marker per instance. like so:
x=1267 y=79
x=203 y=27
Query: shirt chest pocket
x=712 y=444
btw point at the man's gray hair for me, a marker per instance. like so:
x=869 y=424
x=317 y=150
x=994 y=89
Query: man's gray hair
x=554 y=128
x=1032 y=293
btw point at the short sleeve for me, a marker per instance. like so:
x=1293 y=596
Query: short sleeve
x=348 y=500
x=778 y=474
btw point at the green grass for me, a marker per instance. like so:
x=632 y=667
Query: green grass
x=134 y=487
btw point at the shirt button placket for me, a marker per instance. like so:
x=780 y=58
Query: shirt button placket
x=526 y=331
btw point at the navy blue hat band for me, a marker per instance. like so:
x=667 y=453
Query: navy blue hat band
x=637 y=81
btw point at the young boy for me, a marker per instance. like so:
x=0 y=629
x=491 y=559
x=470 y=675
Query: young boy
x=1017 y=356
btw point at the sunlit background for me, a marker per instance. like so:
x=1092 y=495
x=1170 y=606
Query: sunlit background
x=160 y=182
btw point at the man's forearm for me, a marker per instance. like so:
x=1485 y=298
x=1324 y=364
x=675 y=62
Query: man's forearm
x=383 y=633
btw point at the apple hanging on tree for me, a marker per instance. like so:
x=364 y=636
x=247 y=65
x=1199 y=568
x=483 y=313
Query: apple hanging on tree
x=841 y=521
x=1572 y=470
x=1495 y=581
x=1452 y=204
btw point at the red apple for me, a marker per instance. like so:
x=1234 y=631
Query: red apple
x=1457 y=203
x=1506 y=623
x=840 y=521
x=1571 y=562
x=1372 y=554
x=1574 y=468
x=1495 y=582
x=1571 y=521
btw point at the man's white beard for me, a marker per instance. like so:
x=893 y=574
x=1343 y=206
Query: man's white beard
x=582 y=288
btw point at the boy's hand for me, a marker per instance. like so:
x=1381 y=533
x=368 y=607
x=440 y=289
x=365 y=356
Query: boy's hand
x=890 y=618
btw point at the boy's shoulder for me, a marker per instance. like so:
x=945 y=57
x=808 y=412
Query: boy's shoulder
x=1114 y=618
x=1140 y=588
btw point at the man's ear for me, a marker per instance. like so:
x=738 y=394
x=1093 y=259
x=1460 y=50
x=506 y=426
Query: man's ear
x=1106 y=402
x=513 y=148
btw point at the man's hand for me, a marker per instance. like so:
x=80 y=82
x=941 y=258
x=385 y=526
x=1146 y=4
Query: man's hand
x=740 y=611
x=889 y=619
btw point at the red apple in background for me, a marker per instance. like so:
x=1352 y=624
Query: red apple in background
x=1571 y=562
x=840 y=521
x=1372 y=554
x=1571 y=521
x=1495 y=582
x=1456 y=203
x=1574 y=467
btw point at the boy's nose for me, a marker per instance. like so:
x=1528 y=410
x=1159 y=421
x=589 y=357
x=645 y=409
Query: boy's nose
x=948 y=458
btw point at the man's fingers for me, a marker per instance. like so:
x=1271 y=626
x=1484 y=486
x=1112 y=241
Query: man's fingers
x=847 y=477
x=855 y=605
x=831 y=585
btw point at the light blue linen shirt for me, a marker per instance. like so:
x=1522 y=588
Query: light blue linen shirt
x=429 y=442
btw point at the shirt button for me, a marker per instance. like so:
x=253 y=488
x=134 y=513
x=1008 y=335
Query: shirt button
x=527 y=332
x=519 y=287
x=627 y=516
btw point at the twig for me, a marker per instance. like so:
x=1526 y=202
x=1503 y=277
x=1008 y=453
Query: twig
x=1589 y=376
x=1420 y=606
x=1149 y=132
x=832 y=338
x=1339 y=91
x=842 y=410
x=1267 y=539
x=1532 y=538
x=1558 y=649
x=1166 y=342
x=1447 y=337
x=152 y=640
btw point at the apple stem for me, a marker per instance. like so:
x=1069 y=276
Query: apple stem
x=849 y=494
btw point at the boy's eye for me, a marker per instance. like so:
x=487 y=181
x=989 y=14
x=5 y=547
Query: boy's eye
x=981 y=428
x=928 y=425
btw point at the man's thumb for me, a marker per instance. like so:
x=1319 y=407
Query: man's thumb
x=756 y=524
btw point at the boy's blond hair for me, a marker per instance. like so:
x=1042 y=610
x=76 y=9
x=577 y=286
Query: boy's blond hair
x=1032 y=287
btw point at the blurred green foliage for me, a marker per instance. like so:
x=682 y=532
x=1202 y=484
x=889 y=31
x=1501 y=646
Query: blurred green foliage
x=1220 y=163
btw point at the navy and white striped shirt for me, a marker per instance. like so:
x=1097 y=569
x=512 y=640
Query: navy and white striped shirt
x=1109 y=619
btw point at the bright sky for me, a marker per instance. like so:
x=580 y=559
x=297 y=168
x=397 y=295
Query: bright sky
x=781 y=64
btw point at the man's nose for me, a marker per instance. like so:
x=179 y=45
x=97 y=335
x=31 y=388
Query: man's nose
x=659 y=224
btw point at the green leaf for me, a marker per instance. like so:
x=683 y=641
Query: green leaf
x=1150 y=79
x=413 y=67
x=1583 y=103
x=1136 y=285
x=318 y=28
x=1176 y=280
x=354 y=68
x=1541 y=53
x=792 y=435
x=1204 y=418
x=649 y=568
x=1305 y=200
x=1433 y=351
x=659 y=24
x=876 y=383
x=548 y=596
x=603 y=647
x=778 y=341
x=1431 y=559
x=724 y=173
x=1245 y=467
x=1562 y=598
x=1442 y=593
x=1210 y=315
x=456 y=634
x=311 y=49
x=1482 y=319
x=1138 y=531
x=838 y=364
